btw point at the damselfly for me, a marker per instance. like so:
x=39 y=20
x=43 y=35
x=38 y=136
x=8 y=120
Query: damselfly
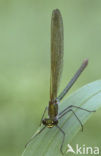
x=57 y=48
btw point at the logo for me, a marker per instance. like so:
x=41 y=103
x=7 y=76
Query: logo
x=83 y=149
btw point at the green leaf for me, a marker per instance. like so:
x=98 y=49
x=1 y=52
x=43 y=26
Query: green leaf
x=49 y=141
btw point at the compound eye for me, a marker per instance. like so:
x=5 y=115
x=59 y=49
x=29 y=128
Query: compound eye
x=44 y=122
x=55 y=122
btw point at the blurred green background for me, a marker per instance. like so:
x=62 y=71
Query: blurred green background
x=25 y=64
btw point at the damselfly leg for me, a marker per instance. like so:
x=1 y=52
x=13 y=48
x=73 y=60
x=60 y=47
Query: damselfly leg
x=69 y=109
x=36 y=134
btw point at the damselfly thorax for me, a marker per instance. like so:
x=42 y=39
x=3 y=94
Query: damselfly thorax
x=52 y=119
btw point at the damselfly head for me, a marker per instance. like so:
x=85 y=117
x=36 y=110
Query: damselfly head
x=50 y=122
